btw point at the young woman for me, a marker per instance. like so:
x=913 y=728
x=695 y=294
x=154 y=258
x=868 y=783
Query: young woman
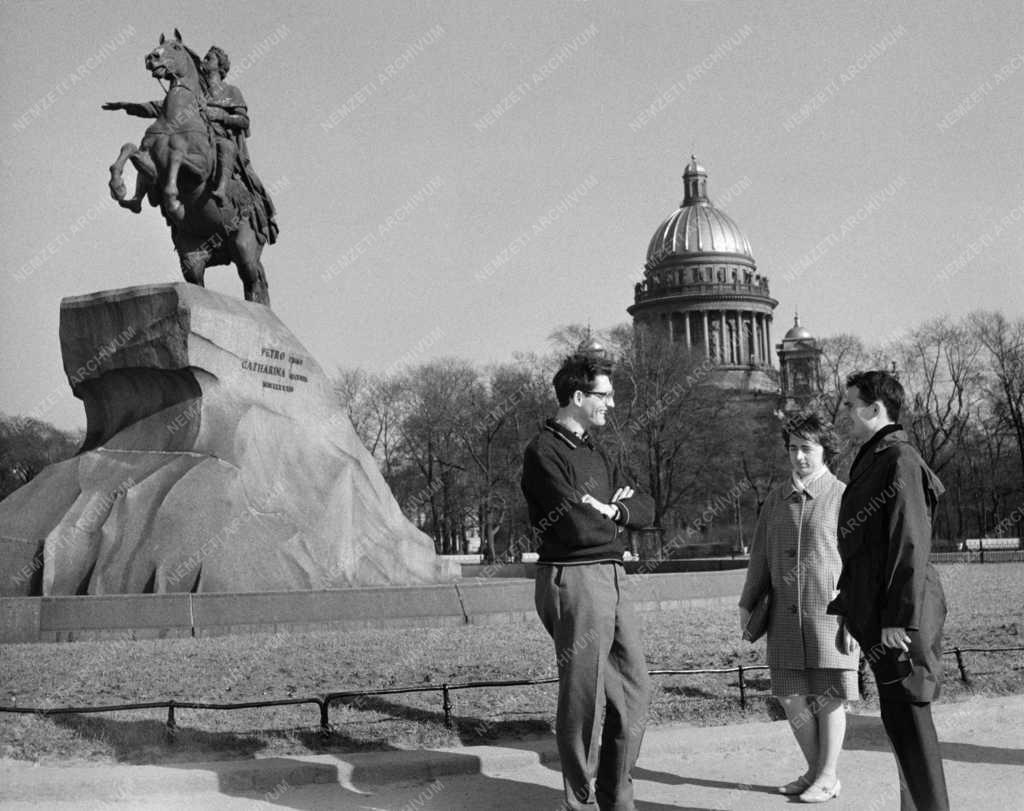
x=813 y=661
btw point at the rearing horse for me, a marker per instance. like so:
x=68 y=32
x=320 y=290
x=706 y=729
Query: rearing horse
x=175 y=166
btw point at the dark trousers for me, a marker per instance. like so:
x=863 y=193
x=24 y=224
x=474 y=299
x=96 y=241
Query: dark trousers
x=601 y=671
x=916 y=746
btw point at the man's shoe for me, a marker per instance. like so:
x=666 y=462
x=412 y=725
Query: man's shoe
x=798 y=786
x=819 y=793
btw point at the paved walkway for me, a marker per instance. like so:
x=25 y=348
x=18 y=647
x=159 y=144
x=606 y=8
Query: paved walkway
x=730 y=767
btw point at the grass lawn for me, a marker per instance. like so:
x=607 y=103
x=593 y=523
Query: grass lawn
x=986 y=611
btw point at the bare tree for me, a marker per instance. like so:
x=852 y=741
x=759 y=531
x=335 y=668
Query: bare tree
x=516 y=396
x=984 y=478
x=442 y=395
x=376 y=407
x=667 y=420
x=758 y=448
x=1004 y=341
x=841 y=355
x=450 y=436
x=939 y=371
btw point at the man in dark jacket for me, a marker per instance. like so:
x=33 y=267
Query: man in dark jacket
x=888 y=592
x=579 y=504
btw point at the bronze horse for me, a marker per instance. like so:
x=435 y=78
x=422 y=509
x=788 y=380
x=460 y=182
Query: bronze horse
x=175 y=165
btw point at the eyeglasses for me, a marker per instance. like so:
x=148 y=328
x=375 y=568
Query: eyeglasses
x=604 y=396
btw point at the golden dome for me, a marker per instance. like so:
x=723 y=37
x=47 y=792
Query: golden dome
x=696 y=227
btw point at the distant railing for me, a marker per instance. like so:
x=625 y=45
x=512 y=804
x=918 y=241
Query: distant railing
x=979 y=556
x=645 y=290
x=324 y=702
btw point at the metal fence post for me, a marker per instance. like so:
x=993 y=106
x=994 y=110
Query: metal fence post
x=172 y=726
x=743 y=689
x=446 y=693
x=325 y=723
x=964 y=675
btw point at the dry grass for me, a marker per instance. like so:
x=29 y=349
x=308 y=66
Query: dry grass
x=985 y=611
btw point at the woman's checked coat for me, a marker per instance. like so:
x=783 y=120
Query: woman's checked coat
x=795 y=553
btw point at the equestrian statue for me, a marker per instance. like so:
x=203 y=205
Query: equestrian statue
x=193 y=162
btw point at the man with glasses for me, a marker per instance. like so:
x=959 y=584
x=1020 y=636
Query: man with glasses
x=579 y=505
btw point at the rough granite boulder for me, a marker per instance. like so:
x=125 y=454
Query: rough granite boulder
x=216 y=459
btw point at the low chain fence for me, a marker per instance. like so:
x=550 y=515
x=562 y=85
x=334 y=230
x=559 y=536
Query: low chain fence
x=324 y=702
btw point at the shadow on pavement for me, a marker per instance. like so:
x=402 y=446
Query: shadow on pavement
x=406 y=777
x=471 y=731
x=358 y=786
x=734 y=799
x=138 y=742
x=147 y=741
x=865 y=732
x=972 y=753
x=670 y=779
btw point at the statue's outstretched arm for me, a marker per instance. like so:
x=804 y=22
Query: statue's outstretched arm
x=145 y=109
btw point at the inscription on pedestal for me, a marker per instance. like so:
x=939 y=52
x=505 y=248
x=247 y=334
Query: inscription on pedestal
x=283 y=369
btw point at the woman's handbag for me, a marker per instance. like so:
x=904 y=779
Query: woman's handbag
x=757 y=624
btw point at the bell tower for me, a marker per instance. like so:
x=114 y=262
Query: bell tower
x=799 y=366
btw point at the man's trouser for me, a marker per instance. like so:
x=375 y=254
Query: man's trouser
x=601 y=667
x=916 y=746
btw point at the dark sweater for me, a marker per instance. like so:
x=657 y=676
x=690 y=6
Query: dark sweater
x=559 y=468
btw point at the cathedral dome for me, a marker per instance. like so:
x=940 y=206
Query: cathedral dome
x=701 y=288
x=696 y=227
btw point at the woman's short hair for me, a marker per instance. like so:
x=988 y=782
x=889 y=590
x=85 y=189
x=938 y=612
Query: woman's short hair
x=816 y=427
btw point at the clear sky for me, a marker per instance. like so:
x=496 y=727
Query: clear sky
x=871 y=152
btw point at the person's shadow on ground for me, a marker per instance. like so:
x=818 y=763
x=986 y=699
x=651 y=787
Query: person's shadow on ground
x=245 y=770
x=735 y=788
x=866 y=733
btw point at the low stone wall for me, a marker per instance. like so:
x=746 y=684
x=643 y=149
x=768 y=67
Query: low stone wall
x=477 y=571
x=469 y=601
x=480 y=599
x=122 y=616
